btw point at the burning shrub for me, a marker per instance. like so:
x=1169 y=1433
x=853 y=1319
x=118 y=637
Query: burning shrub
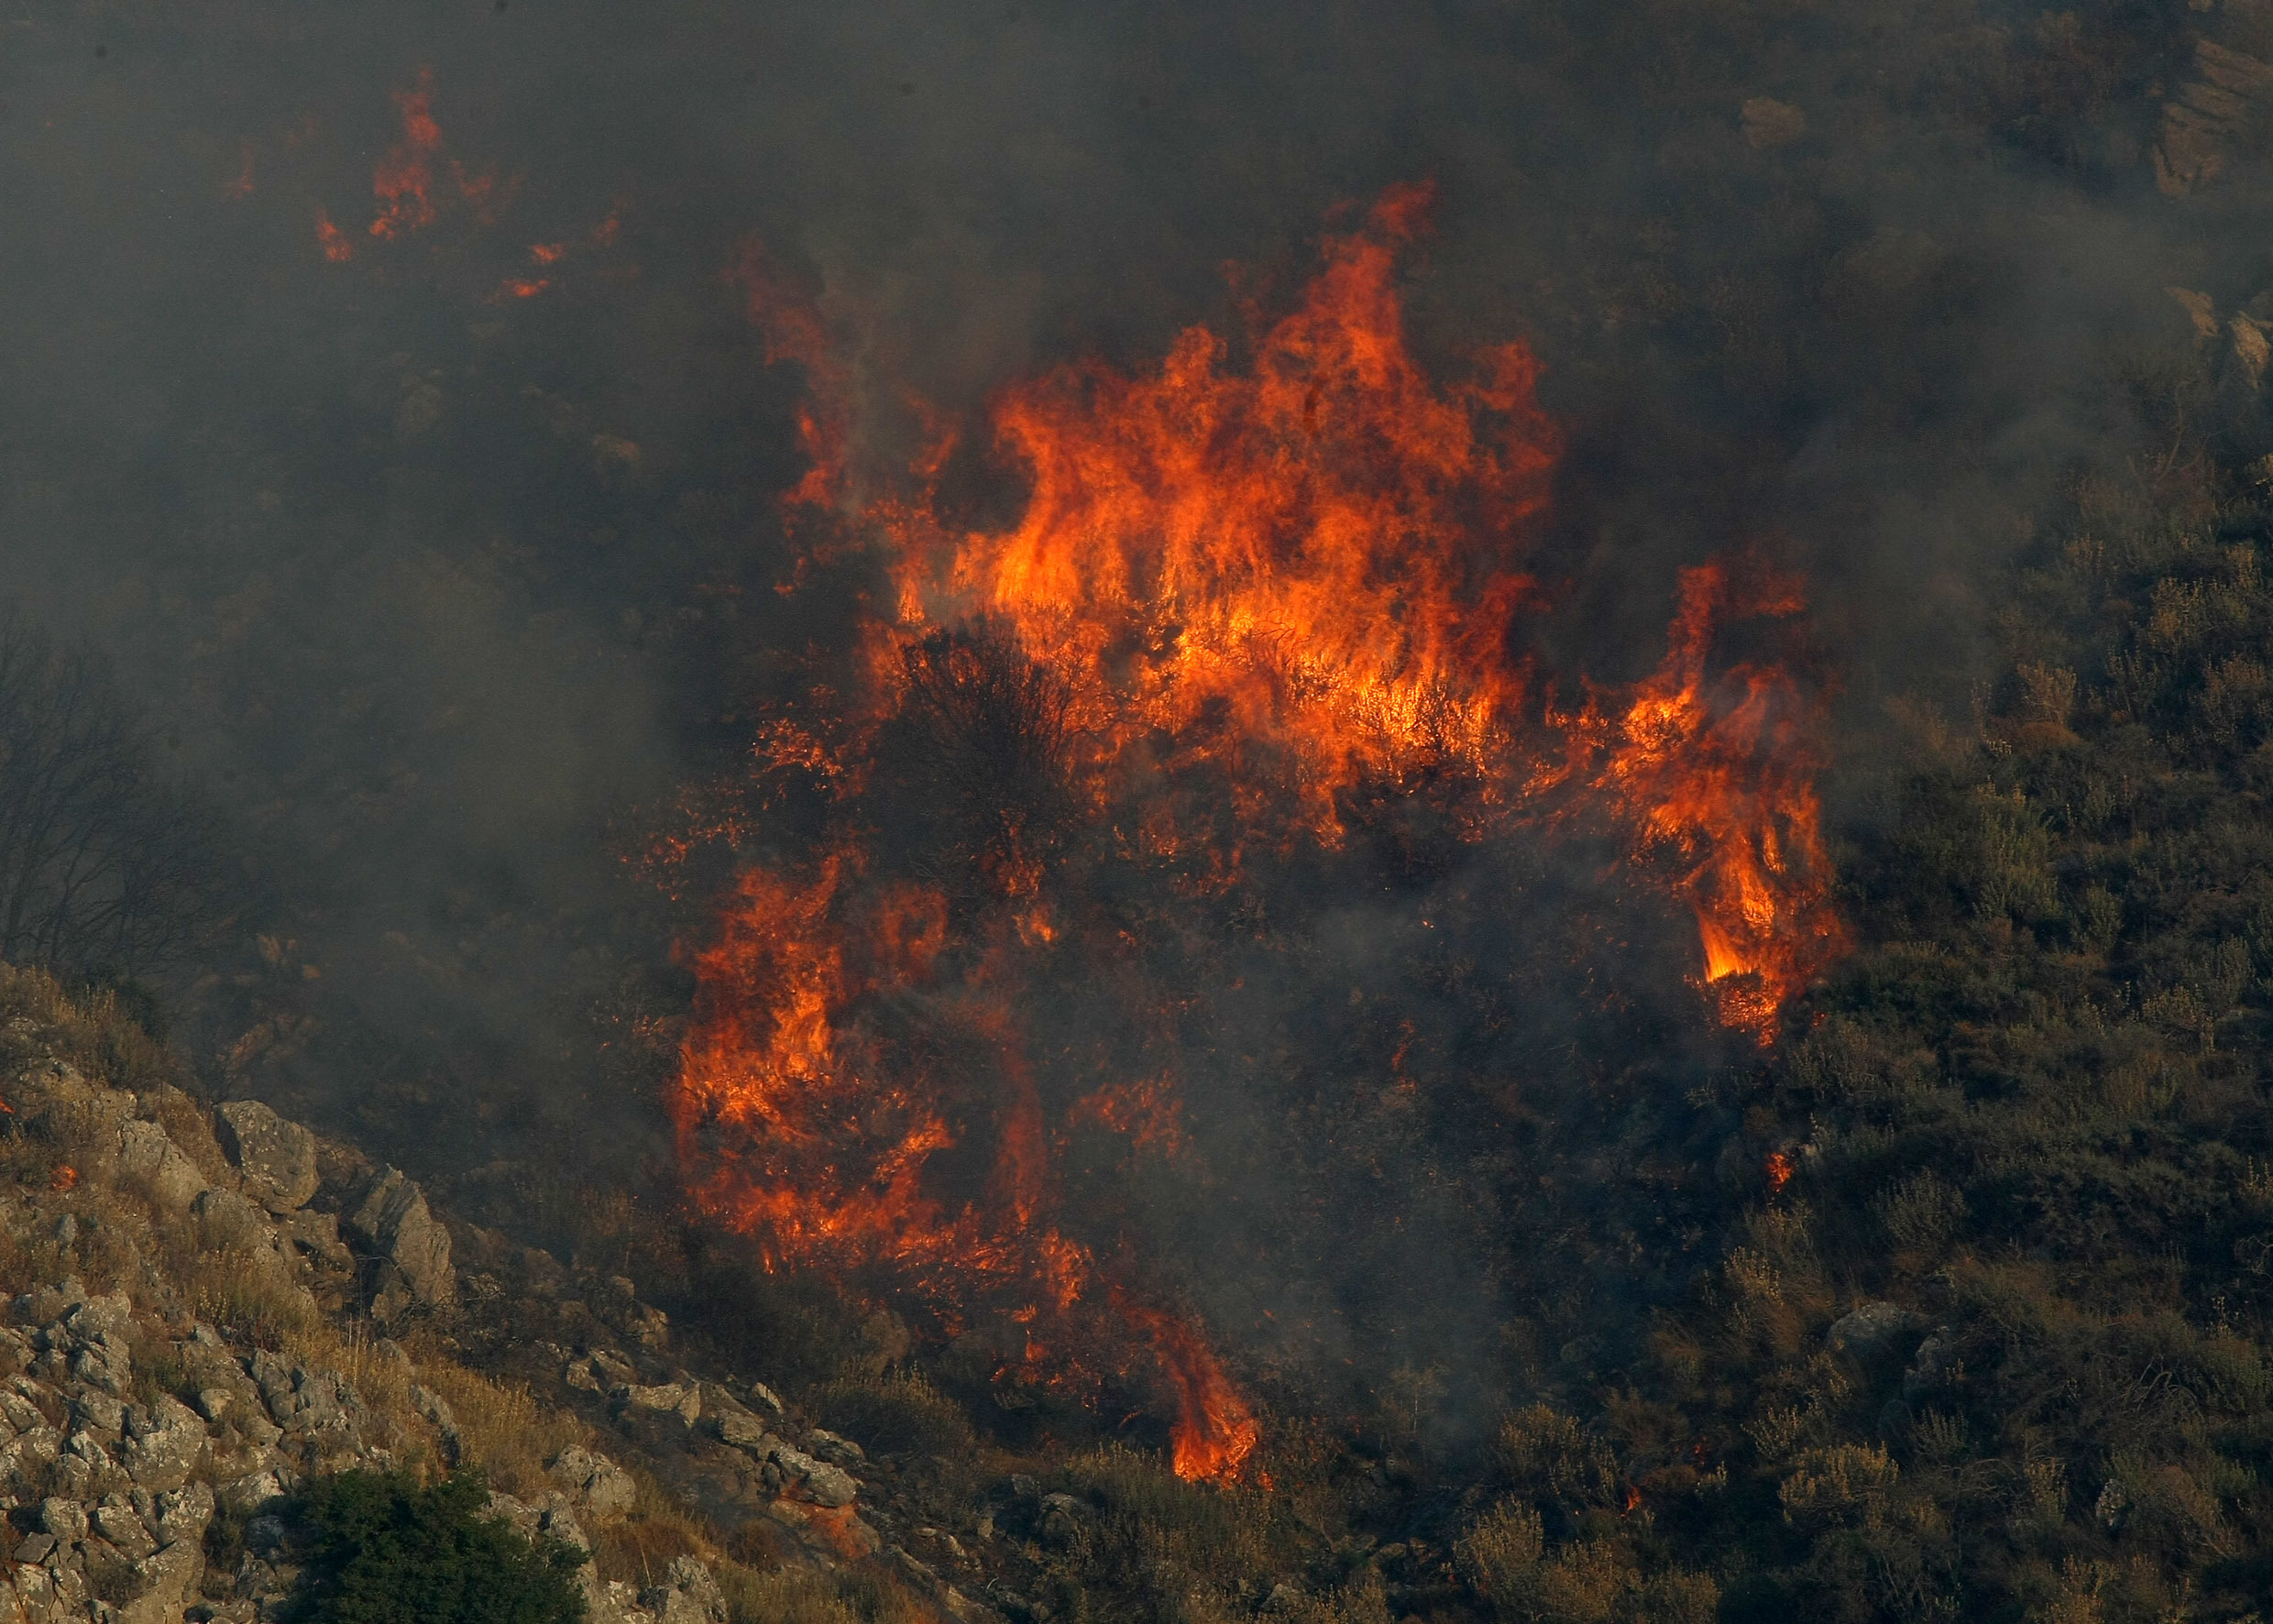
x=1062 y=831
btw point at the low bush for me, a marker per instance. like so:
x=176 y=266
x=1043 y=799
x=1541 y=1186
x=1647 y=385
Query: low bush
x=381 y=1549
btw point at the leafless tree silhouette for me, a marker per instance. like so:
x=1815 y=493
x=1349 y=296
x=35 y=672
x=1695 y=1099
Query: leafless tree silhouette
x=107 y=864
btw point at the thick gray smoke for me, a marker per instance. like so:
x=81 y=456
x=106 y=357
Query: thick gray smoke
x=434 y=580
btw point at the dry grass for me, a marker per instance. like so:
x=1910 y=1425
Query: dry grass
x=91 y=1030
x=503 y=1429
x=898 y=1413
x=643 y=1545
x=787 y=1595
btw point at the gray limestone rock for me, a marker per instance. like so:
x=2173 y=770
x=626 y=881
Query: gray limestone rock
x=818 y=1481
x=317 y=1233
x=276 y=1157
x=160 y=1455
x=149 y=1157
x=593 y=1481
x=835 y=1450
x=115 y=1521
x=743 y=1430
x=183 y=1514
x=1872 y=1329
x=166 y=1580
x=392 y=1222
x=687 y=1595
x=663 y=1397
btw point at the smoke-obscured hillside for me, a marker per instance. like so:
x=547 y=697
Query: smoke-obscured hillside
x=659 y=616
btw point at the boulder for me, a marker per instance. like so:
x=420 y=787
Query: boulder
x=815 y=1480
x=1934 y=1362
x=317 y=1233
x=593 y=1481
x=160 y=1455
x=1873 y=1330
x=115 y=1521
x=682 y=1399
x=183 y=1514
x=740 y=1430
x=276 y=1157
x=836 y=1451
x=166 y=1582
x=252 y=1491
x=392 y=1224
x=147 y=1155
x=687 y=1595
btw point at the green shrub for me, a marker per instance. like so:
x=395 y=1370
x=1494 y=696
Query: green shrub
x=381 y=1549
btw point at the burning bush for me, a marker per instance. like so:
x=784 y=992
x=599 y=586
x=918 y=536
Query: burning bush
x=1259 y=622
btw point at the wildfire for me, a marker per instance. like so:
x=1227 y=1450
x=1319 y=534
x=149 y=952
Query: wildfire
x=1720 y=773
x=334 y=243
x=403 y=182
x=1245 y=585
x=402 y=179
x=63 y=1178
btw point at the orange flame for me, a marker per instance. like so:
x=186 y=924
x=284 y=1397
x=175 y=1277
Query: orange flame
x=1323 y=548
x=1214 y=1432
x=793 y=331
x=1719 y=772
x=1779 y=1167
x=337 y=248
x=63 y=1178
x=1301 y=573
x=401 y=179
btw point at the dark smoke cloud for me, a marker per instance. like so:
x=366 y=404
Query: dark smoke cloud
x=433 y=585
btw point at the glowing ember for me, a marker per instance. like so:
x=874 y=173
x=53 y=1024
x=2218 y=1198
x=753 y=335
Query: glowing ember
x=337 y=248
x=1296 y=577
x=403 y=178
x=1779 y=1172
x=63 y=1177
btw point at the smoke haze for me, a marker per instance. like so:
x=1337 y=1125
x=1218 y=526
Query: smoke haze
x=441 y=564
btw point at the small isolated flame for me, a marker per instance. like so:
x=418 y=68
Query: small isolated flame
x=1779 y=1170
x=337 y=248
x=403 y=179
x=1214 y=1432
x=1245 y=585
x=403 y=183
x=63 y=1177
x=1718 y=772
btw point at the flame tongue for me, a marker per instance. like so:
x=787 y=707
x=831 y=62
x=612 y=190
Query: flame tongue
x=1237 y=593
x=1323 y=550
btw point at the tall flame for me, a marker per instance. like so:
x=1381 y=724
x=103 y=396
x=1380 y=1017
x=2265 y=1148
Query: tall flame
x=1322 y=551
x=1291 y=568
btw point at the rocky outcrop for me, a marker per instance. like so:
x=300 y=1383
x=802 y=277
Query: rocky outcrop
x=411 y=1249
x=2215 y=112
x=276 y=1158
x=135 y=1417
x=149 y=1157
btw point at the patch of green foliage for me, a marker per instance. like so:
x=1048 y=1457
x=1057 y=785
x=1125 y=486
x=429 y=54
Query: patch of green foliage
x=382 y=1550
